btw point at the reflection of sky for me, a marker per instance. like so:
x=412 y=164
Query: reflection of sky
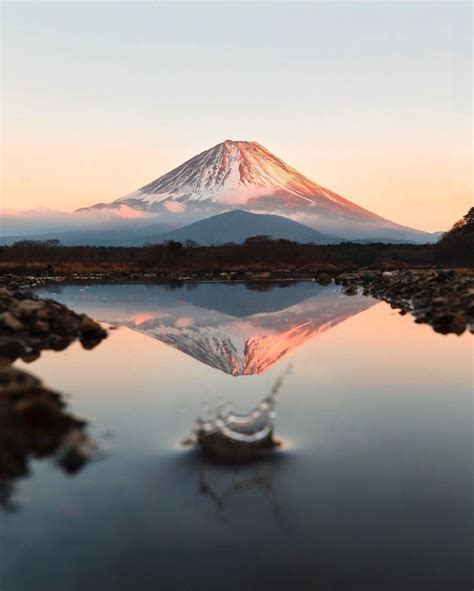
x=377 y=413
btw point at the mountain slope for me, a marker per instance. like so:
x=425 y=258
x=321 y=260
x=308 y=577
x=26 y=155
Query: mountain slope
x=237 y=226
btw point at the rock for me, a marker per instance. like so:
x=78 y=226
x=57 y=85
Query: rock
x=11 y=349
x=41 y=326
x=76 y=450
x=87 y=325
x=30 y=357
x=448 y=323
x=350 y=290
x=324 y=279
x=220 y=448
x=27 y=307
x=58 y=343
x=34 y=423
x=9 y=321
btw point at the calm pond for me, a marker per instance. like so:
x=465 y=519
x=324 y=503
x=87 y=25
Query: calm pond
x=371 y=489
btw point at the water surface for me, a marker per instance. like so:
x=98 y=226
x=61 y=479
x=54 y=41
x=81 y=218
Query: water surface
x=371 y=491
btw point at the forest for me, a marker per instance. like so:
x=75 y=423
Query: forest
x=259 y=253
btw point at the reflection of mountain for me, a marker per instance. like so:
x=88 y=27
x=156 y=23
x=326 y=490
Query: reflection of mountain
x=220 y=334
x=250 y=345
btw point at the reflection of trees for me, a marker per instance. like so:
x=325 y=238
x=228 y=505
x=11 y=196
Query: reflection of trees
x=261 y=286
x=267 y=285
x=34 y=423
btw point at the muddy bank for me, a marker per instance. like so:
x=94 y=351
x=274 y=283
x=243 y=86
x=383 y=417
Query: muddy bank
x=442 y=298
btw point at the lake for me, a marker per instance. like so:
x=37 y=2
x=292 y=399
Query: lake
x=370 y=490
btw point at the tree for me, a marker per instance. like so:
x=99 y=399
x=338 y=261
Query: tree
x=259 y=239
x=190 y=244
x=175 y=249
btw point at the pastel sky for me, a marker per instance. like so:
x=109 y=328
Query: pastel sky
x=372 y=100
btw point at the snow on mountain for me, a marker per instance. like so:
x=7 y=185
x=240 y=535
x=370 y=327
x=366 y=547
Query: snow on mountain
x=236 y=173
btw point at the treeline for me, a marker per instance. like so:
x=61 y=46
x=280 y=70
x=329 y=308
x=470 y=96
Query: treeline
x=258 y=253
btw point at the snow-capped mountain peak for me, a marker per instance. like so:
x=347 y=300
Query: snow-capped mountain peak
x=238 y=173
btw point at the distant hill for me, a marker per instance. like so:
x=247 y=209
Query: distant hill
x=125 y=235
x=237 y=225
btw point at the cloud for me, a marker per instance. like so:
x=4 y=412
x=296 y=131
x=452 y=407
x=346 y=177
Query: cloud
x=124 y=211
x=175 y=206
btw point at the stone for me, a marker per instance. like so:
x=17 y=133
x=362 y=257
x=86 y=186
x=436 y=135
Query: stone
x=87 y=325
x=350 y=290
x=9 y=321
x=41 y=326
x=450 y=323
x=11 y=349
x=27 y=307
x=324 y=279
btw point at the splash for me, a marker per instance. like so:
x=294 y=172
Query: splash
x=228 y=434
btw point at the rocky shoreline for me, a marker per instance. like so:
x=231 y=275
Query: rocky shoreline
x=29 y=324
x=442 y=298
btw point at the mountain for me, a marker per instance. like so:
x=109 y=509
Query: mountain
x=237 y=226
x=245 y=175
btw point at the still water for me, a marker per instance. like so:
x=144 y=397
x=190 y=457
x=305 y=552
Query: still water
x=371 y=489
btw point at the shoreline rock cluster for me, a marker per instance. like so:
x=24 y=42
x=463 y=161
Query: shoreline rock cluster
x=29 y=324
x=35 y=424
x=442 y=298
x=33 y=419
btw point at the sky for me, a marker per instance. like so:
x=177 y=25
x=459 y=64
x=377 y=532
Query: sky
x=370 y=99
